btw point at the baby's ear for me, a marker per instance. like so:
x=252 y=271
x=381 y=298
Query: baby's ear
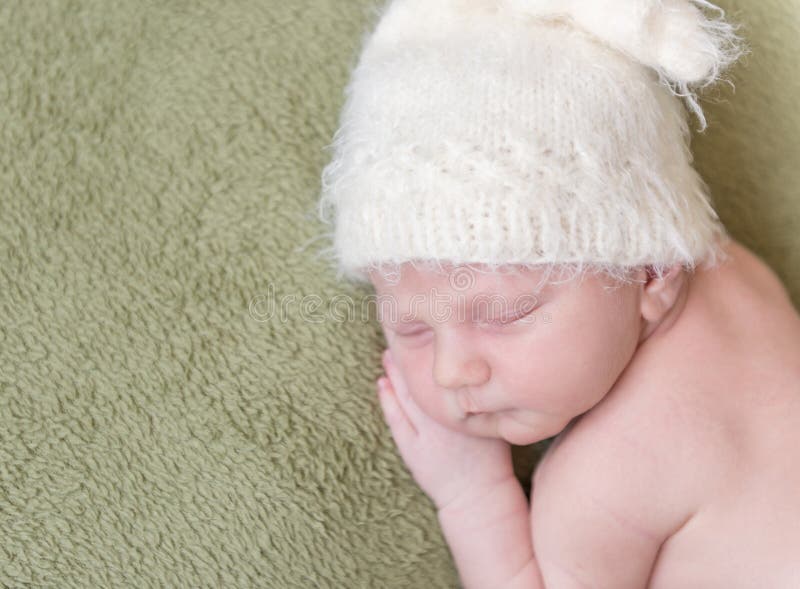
x=661 y=293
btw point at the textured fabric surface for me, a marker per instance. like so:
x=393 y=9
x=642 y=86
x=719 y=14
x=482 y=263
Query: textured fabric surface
x=161 y=424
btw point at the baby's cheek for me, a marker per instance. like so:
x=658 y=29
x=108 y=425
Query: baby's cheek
x=430 y=398
x=558 y=390
x=420 y=389
x=415 y=360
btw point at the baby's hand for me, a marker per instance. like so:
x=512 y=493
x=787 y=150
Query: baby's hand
x=446 y=464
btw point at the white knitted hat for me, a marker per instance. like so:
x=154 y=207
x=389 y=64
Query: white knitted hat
x=526 y=132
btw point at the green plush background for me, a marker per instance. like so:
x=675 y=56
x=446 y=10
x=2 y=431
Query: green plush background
x=162 y=423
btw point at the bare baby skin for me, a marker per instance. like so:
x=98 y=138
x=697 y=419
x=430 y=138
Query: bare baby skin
x=676 y=405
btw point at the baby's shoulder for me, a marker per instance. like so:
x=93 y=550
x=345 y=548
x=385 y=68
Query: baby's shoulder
x=628 y=483
x=643 y=452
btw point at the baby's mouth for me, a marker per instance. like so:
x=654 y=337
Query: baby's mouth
x=464 y=411
x=467 y=408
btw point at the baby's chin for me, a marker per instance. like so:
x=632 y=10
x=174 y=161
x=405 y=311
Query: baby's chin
x=516 y=426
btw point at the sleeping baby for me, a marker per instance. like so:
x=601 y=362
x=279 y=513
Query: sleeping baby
x=514 y=178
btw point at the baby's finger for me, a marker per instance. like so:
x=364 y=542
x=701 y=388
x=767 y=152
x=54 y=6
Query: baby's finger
x=394 y=376
x=402 y=428
x=401 y=390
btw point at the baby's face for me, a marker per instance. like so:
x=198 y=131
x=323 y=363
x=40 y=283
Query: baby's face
x=528 y=377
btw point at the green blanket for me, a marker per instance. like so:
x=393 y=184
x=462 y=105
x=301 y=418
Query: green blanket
x=184 y=402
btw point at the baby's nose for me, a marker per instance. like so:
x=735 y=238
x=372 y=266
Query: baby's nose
x=454 y=373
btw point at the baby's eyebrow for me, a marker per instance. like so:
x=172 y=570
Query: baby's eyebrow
x=404 y=319
x=420 y=313
x=509 y=297
x=405 y=316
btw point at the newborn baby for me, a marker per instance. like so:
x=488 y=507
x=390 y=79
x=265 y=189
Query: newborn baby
x=550 y=137
x=677 y=400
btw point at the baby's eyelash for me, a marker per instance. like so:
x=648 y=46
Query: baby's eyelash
x=412 y=333
x=512 y=319
x=503 y=321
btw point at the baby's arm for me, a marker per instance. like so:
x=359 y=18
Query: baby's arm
x=489 y=536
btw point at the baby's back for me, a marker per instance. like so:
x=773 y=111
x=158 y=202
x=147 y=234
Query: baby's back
x=716 y=400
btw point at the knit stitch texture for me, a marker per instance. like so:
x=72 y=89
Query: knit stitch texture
x=502 y=133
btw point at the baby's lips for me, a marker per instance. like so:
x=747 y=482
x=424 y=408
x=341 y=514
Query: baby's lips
x=467 y=403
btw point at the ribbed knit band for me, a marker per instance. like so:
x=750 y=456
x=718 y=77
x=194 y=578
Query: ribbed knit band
x=507 y=139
